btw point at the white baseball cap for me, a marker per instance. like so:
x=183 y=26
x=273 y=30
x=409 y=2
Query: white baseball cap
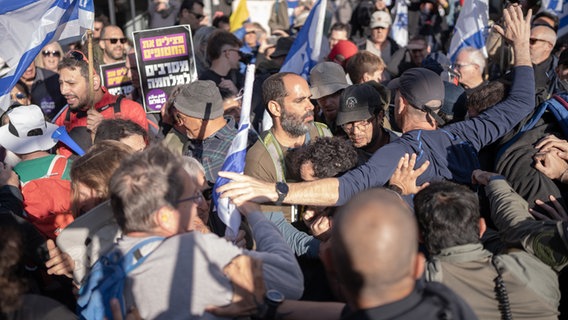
x=27 y=131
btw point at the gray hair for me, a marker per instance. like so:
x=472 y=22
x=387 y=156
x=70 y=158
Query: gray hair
x=475 y=56
x=144 y=183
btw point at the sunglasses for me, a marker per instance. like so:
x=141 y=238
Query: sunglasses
x=77 y=55
x=54 y=53
x=198 y=16
x=20 y=95
x=115 y=40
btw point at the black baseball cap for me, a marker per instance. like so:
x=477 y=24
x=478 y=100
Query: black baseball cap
x=358 y=102
x=420 y=86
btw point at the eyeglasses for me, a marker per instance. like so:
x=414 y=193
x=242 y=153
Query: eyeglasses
x=235 y=50
x=198 y=16
x=462 y=65
x=47 y=53
x=198 y=199
x=250 y=32
x=533 y=41
x=360 y=125
x=115 y=40
x=77 y=55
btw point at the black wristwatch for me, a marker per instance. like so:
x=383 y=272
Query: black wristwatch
x=272 y=300
x=282 y=191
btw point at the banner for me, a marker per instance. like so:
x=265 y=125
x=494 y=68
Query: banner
x=165 y=59
x=26 y=26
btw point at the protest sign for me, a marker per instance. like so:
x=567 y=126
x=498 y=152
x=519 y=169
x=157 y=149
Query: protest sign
x=165 y=60
x=115 y=78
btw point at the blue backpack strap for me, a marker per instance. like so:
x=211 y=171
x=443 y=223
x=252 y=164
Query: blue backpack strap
x=135 y=257
x=559 y=108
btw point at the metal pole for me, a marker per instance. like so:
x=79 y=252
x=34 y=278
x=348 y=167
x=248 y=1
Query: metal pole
x=112 y=12
x=133 y=14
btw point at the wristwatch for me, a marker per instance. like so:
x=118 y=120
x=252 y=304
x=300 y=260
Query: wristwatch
x=282 y=191
x=272 y=300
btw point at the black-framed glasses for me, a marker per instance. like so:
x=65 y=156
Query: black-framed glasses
x=360 y=125
x=533 y=41
x=54 y=53
x=115 y=40
x=234 y=50
x=198 y=199
x=198 y=16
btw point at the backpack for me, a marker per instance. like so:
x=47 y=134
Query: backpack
x=47 y=200
x=557 y=105
x=106 y=281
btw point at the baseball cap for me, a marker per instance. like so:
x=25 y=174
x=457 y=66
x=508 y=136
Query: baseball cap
x=380 y=19
x=358 y=102
x=420 y=86
x=27 y=131
x=200 y=99
x=342 y=51
x=327 y=78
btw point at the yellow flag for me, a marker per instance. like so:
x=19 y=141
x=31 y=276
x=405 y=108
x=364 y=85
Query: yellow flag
x=239 y=16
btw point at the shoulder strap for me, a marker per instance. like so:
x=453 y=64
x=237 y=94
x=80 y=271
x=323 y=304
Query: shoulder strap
x=137 y=254
x=323 y=129
x=276 y=154
x=116 y=105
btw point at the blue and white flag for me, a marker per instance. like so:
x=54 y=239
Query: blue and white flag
x=235 y=161
x=554 y=6
x=399 y=29
x=306 y=50
x=471 y=27
x=26 y=26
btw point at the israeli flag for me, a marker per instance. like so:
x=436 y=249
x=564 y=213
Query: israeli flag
x=306 y=50
x=471 y=27
x=554 y=6
x=399 y=29
x=235 y=161
x=26 y=26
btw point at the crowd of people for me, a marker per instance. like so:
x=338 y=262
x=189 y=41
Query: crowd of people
x=392 y=184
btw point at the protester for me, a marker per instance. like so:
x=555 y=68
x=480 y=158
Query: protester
x=327 y=83
x=81 y=116
x=49 y=56
x=112 y=43
x=44 y=88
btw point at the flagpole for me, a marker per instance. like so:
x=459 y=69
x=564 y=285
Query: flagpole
x=91 y=69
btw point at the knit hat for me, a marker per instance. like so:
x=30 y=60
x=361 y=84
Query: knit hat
x=200 y=99
x=327 y=78
x=27 y=131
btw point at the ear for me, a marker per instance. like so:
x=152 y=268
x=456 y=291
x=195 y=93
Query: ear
x=96 y=81
x=402 y=103
x=102 y=44
x=274 y=108
x=166 y=220
x=482 y=227
x=366 y=77
x=418 y=268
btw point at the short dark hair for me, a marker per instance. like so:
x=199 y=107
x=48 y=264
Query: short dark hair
x=220 y=19
x=330 y=156
x=448 y=215
x=69 y=62
x=273 y=87
x=487 y=95
x=219 y=39
x=117 y=129
x=188 y=5
x=144 y=183
x=338 y=26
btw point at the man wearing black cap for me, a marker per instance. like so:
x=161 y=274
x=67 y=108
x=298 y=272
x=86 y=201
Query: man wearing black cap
x=361 y=115
x=452 y=152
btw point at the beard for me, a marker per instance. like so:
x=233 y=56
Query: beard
x=294 y=125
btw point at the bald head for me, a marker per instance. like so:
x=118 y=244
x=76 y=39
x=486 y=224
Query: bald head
x=375 y=247
x=543 y=39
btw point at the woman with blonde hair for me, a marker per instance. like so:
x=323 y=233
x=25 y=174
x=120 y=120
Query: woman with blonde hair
x=49 y=56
